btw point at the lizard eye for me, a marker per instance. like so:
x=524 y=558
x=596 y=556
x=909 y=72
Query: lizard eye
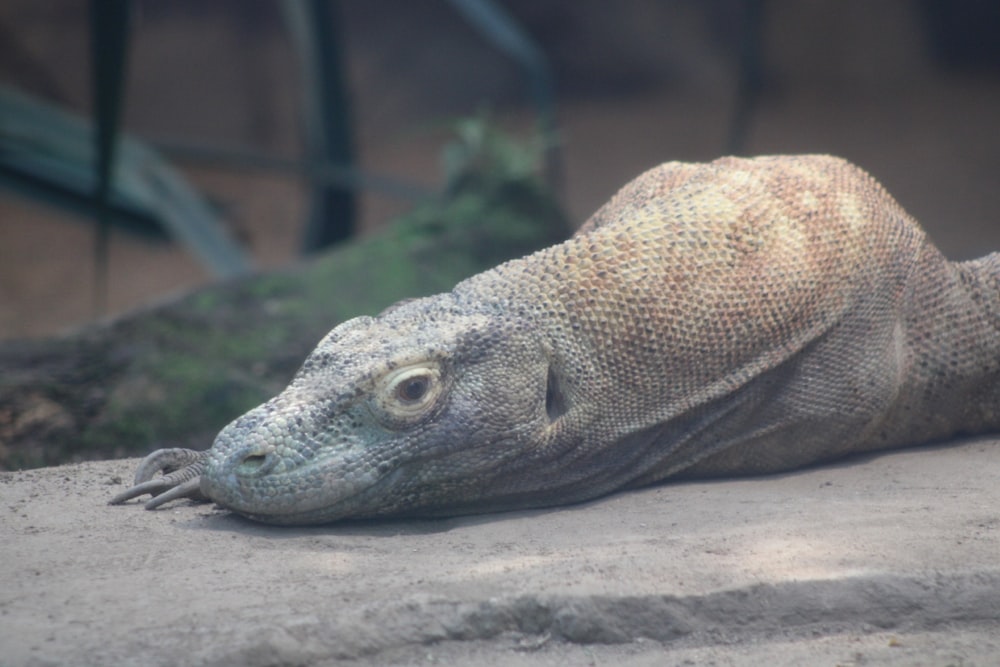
x=407 y=393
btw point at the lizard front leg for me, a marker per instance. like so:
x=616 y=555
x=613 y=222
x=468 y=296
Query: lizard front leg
x=181 y=477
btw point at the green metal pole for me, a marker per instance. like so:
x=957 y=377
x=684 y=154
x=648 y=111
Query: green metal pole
x=315 y=27
x=109 y=51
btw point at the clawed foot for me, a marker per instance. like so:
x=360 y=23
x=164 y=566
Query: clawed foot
x=181 y=477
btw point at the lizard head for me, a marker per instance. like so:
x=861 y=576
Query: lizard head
x=418 y=410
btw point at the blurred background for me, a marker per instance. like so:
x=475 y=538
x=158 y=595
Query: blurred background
x=908 y=89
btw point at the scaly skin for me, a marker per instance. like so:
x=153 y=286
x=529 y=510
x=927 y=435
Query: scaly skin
x=737 y=317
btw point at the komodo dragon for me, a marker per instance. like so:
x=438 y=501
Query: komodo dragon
x=737 y=317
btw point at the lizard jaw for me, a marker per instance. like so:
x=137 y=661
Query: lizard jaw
x=253 y=479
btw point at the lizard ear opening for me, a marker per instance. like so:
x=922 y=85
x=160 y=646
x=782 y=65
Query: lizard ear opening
x=555 y=400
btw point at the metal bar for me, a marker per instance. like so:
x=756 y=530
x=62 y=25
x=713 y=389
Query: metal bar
x=109 y=51
x=314 y=25
x=244 y=159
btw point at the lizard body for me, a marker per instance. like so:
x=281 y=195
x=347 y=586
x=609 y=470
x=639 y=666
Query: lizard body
x=737 y=317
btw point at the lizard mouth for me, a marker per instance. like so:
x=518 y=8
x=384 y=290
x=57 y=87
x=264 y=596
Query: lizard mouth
x=256 y=484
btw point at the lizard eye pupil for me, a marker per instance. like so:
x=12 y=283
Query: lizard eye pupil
x=412 y=389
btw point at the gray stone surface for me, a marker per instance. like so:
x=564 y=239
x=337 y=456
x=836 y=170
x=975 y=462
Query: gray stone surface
x=889 y=559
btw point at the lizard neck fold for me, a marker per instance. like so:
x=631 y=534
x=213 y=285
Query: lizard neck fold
x=951 y=383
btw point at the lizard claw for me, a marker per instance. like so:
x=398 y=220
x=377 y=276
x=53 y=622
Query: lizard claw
x=189 y=489
x=181 y=479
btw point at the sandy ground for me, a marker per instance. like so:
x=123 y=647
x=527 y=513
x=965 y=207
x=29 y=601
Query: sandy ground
x=889 y=559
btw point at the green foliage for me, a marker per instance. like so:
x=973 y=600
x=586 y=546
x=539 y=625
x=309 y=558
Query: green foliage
x=483 y=151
